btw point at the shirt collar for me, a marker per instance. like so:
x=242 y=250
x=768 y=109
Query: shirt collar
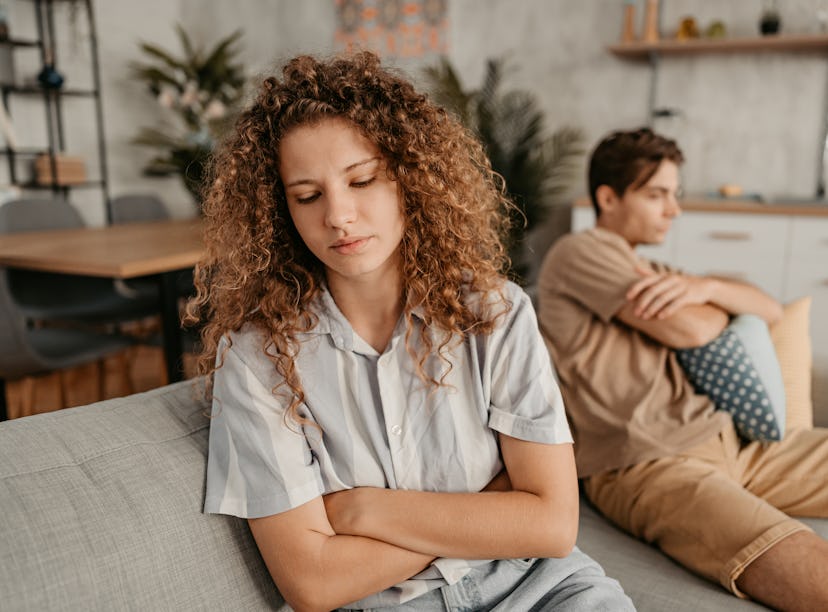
x=333 y=323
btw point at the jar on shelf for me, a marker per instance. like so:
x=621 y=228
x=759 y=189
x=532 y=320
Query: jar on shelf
x=770 y=22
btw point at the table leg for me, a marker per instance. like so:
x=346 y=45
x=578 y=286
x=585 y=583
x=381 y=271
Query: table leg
x=3 y=403
x=171 y=325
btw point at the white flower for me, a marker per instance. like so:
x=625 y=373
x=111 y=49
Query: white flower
x=215 y=110
x=189 y=97
x=166 y=98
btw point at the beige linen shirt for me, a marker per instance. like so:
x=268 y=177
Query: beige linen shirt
x=626 y=396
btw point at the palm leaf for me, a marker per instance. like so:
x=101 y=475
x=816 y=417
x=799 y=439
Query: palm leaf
x=538 y=170
x=190 y=52
x=447 y=90
x=165 y=57
x=154 y=76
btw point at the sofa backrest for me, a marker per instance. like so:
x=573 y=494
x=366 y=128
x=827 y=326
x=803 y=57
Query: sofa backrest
x=100 y=509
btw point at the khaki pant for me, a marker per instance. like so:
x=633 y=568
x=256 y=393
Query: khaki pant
x=718 y=506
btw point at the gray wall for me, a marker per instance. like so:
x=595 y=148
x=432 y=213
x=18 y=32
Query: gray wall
x=751 y=119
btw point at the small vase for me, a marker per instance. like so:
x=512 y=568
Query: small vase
x=49 y=77
x=651 y=34
x=770 y=22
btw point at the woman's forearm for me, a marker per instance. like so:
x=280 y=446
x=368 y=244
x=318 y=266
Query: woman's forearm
x=483 y=525
x=334 y=570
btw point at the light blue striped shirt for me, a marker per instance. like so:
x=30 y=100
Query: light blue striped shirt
x=383 y=426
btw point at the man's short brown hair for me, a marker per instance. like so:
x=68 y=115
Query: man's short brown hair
x=628 y=159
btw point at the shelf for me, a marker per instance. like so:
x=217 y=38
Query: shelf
x=33 y=90
x=704 y=203
x=16 y=42
x=788 y=42
x=24 y=151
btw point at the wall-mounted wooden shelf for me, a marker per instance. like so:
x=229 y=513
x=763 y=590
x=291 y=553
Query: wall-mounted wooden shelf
x=815 y=208
x=787 y=42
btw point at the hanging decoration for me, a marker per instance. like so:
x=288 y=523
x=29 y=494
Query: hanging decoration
x=393 y=28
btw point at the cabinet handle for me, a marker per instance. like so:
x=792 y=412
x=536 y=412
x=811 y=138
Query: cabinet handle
x=731 y=236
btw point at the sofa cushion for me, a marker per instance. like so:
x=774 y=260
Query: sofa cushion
x=100 y=509
x=792 y=341
x=740 y=373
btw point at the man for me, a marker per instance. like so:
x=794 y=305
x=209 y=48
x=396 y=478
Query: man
x=655 y=457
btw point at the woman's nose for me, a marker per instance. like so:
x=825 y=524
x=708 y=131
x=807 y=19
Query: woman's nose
x=341 y=209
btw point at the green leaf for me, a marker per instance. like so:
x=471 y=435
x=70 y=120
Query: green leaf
x=538 y=170
x=158 y=53
x=190 y=52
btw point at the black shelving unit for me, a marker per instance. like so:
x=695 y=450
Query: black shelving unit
x=53 y=106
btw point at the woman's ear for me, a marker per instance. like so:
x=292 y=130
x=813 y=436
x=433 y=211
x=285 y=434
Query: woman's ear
x=607 y=199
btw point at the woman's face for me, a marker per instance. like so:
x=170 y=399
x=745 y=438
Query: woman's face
x=345 y=208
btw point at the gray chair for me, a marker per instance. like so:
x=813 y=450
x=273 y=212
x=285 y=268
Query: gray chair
x=43 y=295
x=26 y=350
x=137 y=208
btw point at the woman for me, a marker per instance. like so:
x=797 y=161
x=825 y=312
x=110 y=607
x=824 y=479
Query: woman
x=373 y=371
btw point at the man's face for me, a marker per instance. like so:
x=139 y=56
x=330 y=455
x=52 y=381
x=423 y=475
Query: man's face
x=644 y=215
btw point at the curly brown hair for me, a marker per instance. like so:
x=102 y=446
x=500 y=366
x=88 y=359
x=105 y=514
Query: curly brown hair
x=257 y=269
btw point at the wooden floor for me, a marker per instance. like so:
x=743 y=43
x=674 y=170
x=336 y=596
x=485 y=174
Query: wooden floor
x=136 y=369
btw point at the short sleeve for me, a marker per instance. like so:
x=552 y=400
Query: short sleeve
x=526 y=402
x=257 y=463
x=595 y=268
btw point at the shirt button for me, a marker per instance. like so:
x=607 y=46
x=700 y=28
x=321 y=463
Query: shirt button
x=396 y=430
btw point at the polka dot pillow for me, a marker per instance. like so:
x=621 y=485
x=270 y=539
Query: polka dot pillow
x=740 y=373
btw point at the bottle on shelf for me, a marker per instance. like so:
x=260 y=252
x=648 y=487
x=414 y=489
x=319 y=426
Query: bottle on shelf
x=4 y=24
x=651 y=34
x=770 y=21
x=628 y=32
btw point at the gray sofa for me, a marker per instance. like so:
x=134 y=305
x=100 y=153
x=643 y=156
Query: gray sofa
x=100 y=509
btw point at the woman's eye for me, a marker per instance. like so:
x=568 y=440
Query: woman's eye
x=363 y=183
x=307 y=199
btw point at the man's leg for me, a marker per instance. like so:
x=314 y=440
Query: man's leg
x=797 y=565
x=694 y=507
x=793 y=476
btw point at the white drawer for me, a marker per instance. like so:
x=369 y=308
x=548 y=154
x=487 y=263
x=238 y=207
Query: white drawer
x=808 y=251
x=745 y=247
x=584 y=218
x=808 y=275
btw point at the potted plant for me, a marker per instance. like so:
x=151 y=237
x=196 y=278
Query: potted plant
x=537 y=169
x=199 y=95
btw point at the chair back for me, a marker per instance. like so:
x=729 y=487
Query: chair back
x=137 y=207
x=35 y=214
x=46 y=295
x=16 y=356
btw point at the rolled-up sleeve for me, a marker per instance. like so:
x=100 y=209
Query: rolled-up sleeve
x=258 y=463
x=526 y=402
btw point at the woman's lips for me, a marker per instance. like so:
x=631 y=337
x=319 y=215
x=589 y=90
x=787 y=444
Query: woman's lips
x=351 y=245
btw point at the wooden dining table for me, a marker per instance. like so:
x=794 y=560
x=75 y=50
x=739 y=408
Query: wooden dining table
x=159 y=249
